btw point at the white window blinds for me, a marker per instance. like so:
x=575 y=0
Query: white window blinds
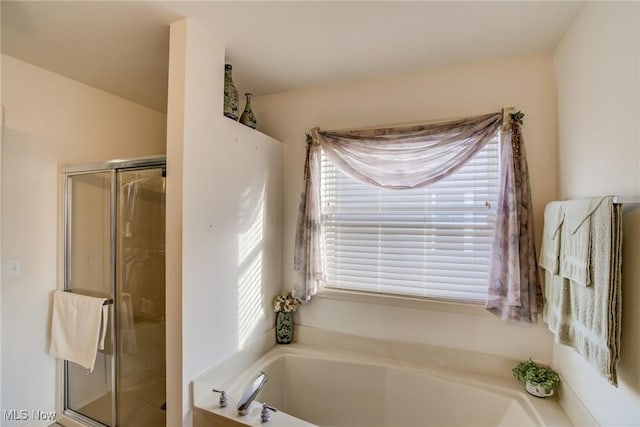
x=429 y=242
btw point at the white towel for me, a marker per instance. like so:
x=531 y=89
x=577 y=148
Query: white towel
x=550 y=247
x=587 y=318
x=78 y=327
x=575 y=252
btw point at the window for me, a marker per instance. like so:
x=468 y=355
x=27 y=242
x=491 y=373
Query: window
x=429 y=242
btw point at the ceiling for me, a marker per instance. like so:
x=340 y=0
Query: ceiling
x=122 y=47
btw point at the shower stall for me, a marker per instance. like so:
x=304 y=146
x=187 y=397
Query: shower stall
x=114 y=247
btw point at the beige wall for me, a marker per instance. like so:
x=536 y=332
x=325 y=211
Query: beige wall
x=173 y=233
x=598 y=73
x=50 y=120
x=464 y=90
x=231 y=215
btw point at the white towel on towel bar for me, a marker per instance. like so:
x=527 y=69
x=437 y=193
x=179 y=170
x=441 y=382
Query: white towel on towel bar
x=550 y=246
x=78 y=327
x=587 y=318
x=575 y=253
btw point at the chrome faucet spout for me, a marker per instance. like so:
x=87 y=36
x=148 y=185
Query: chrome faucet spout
x=250 y=392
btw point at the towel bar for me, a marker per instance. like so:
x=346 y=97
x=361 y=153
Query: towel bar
x=617 y=200
x=109 y=301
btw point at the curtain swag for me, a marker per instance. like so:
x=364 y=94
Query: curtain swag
x=416 y=156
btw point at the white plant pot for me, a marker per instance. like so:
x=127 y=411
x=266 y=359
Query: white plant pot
x=537 y=390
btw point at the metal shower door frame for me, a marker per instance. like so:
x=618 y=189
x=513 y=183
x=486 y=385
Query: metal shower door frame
x=69 y=171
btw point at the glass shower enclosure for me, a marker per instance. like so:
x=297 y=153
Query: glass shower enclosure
x=114 y=247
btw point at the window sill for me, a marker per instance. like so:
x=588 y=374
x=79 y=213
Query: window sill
x=449 y=306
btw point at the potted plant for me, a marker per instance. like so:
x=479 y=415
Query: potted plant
x=284 y=304
x=540 y=381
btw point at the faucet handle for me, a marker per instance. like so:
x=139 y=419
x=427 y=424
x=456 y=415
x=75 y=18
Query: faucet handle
x=223 y=397
x=265 y=416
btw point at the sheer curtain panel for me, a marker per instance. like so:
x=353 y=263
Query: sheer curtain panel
x=416 y=156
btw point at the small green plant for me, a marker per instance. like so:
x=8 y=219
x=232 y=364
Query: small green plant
x=530 y=372
x=521 y=370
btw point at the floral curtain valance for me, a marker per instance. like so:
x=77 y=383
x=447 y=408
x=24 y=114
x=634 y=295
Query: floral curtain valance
x=416 y=156
x=408 y=157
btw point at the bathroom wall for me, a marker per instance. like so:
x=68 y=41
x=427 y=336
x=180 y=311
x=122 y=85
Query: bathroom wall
x=231 y=218
x=597 y=67
x=173 y=231
x=49 y=120
x=525 y=82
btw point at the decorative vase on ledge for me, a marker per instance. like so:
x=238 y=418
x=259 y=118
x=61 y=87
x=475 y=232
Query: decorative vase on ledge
x=230 y=94
x=248 y=118
x=284 y=327
x=284 y=304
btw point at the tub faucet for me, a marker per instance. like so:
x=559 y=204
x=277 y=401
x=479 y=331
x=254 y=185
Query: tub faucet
x=265 y=417
x=223 y=398
x=250 y=392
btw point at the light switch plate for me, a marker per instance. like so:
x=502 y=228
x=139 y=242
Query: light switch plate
x=13 y=268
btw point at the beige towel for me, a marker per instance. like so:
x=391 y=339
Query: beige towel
x=551 y=236
x=557 y=307
x=575 y=251
x=587 y=318
x=78 y=327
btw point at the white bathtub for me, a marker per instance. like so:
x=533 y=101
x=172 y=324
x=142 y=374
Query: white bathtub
x=339 y=388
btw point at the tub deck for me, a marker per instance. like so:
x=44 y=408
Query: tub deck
x=332 y=387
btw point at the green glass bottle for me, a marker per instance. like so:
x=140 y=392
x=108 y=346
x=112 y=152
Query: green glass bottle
x=248 y=118
x=230 y=94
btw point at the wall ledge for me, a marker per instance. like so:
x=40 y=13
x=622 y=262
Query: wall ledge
x=448 y=306
x=443 y=357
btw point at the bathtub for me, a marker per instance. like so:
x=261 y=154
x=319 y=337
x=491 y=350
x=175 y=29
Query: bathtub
x=311 y=386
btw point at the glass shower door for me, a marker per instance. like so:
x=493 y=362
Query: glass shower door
x=114 y=248
x=88 y=271
x=140 y=293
